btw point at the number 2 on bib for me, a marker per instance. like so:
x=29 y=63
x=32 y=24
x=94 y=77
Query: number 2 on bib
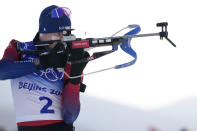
x=48 y=104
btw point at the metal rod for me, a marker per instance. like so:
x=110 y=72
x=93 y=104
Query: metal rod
x=141 y=35
x=130 y=36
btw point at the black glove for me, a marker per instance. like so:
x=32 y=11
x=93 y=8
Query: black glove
x=56 y=58
x=77 y=68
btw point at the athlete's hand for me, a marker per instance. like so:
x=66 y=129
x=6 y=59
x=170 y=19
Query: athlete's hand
x=77 y=69
x=55 y=58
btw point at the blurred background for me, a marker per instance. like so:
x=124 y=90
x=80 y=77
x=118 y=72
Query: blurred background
x=158 y=93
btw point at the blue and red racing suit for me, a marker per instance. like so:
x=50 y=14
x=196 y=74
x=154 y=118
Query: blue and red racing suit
x=39 y=95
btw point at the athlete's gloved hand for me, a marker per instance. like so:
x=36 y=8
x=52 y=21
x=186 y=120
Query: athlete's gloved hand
x=77 y=68
x=56 y=58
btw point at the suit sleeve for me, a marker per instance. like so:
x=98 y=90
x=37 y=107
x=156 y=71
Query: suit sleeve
x=11 y=67
x=70 y=99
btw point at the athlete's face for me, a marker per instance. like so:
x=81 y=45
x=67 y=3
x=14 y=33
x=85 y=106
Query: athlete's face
x=51 y=36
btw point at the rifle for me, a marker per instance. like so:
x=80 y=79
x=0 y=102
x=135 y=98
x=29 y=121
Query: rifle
x=70 y=42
